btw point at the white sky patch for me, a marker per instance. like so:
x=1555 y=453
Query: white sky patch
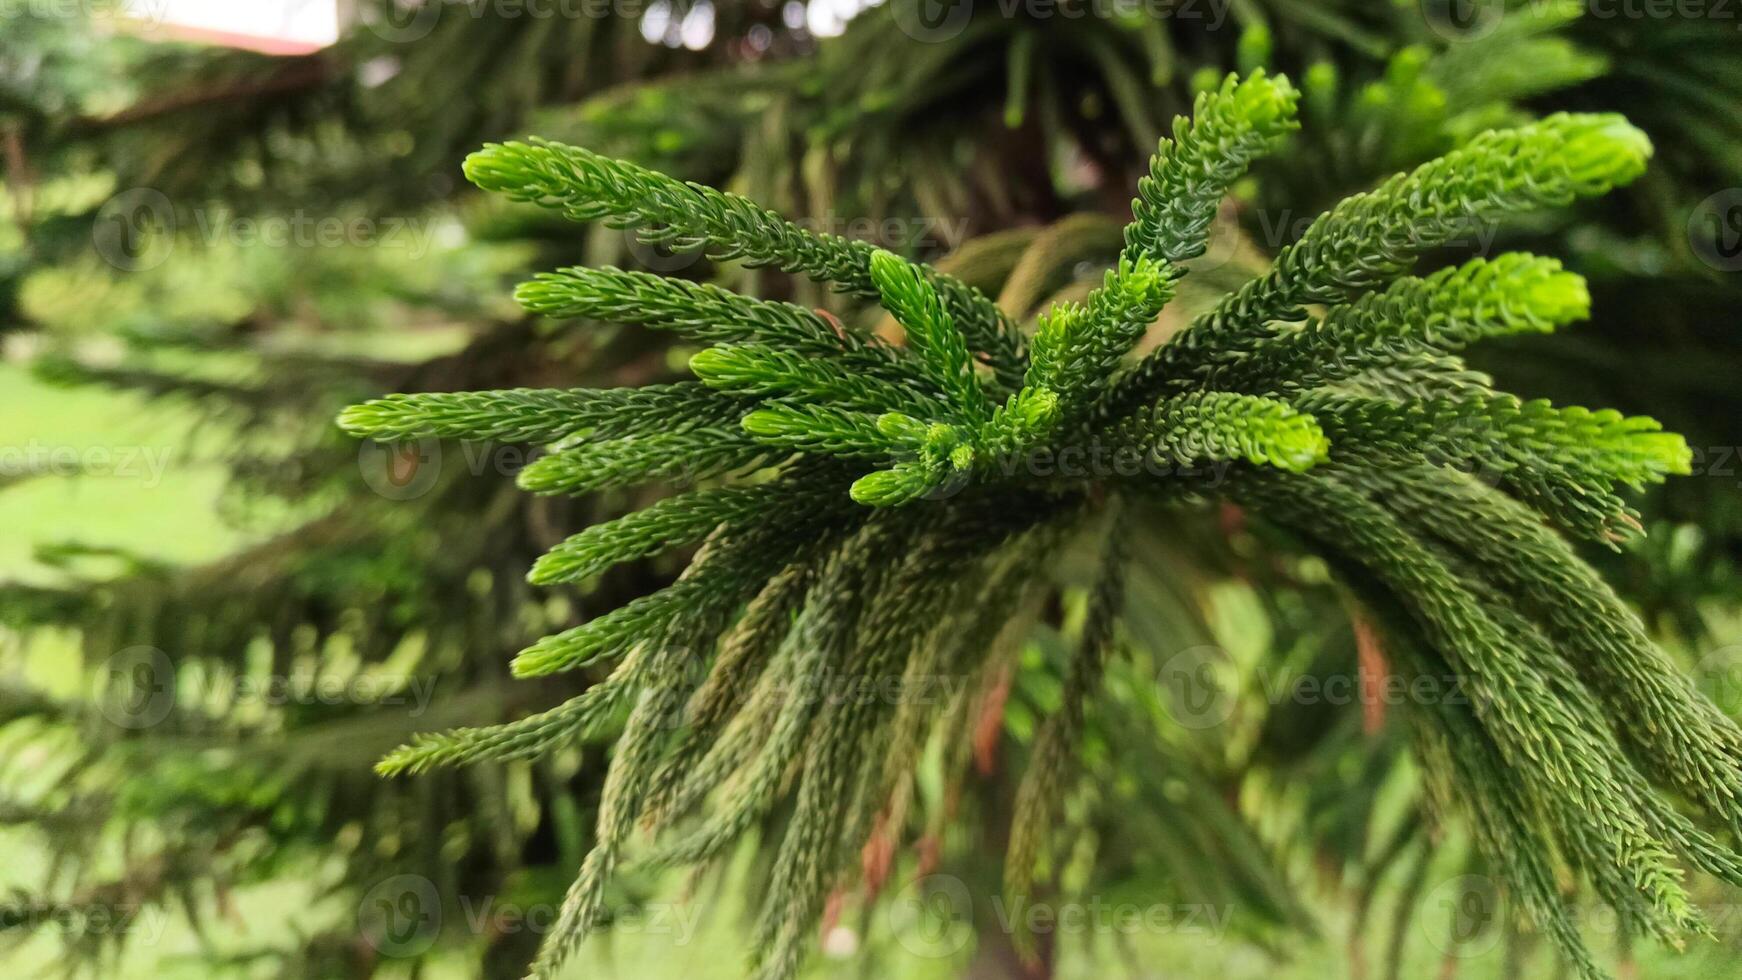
x=828 y=18
x=311 y=22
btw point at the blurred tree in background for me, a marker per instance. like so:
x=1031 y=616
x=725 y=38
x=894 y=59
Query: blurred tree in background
x=237 y=245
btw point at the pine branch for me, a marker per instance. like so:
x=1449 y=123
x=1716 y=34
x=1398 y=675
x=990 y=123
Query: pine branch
x=905 y=292
x=1614 y=447
x=1188 y=177
x=541 y=415
x=1371 y=237
x=697 y=311
x=1219 y=426
x=587 y=187
x=768 y=372
x=1440 y=314
x=1536 y=733
x=680 y=456
x=1346 y=429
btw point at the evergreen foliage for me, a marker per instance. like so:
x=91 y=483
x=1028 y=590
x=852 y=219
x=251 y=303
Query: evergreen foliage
x=959 y=131
x=868 y=493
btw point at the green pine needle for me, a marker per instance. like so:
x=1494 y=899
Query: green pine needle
x=934 y=483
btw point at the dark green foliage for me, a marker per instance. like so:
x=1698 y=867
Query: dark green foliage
x=965 y=131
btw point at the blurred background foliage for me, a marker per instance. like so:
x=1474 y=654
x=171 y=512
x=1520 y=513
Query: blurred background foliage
x=206 y=251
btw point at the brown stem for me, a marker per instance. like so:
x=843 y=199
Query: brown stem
x=19 y=181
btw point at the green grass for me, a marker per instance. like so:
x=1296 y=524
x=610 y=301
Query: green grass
x=150 y=490
x=150 y=486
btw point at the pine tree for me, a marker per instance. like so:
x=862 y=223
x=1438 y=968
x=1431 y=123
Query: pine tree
x=405 y=605
x=875 y=489
x=820 y=130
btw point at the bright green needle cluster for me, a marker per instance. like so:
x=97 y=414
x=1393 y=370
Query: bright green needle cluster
x=664 y=211
x=1217 y=425
x=1188 y=176
x=866 y=500
x=1372 y=237
x=1439 y=314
